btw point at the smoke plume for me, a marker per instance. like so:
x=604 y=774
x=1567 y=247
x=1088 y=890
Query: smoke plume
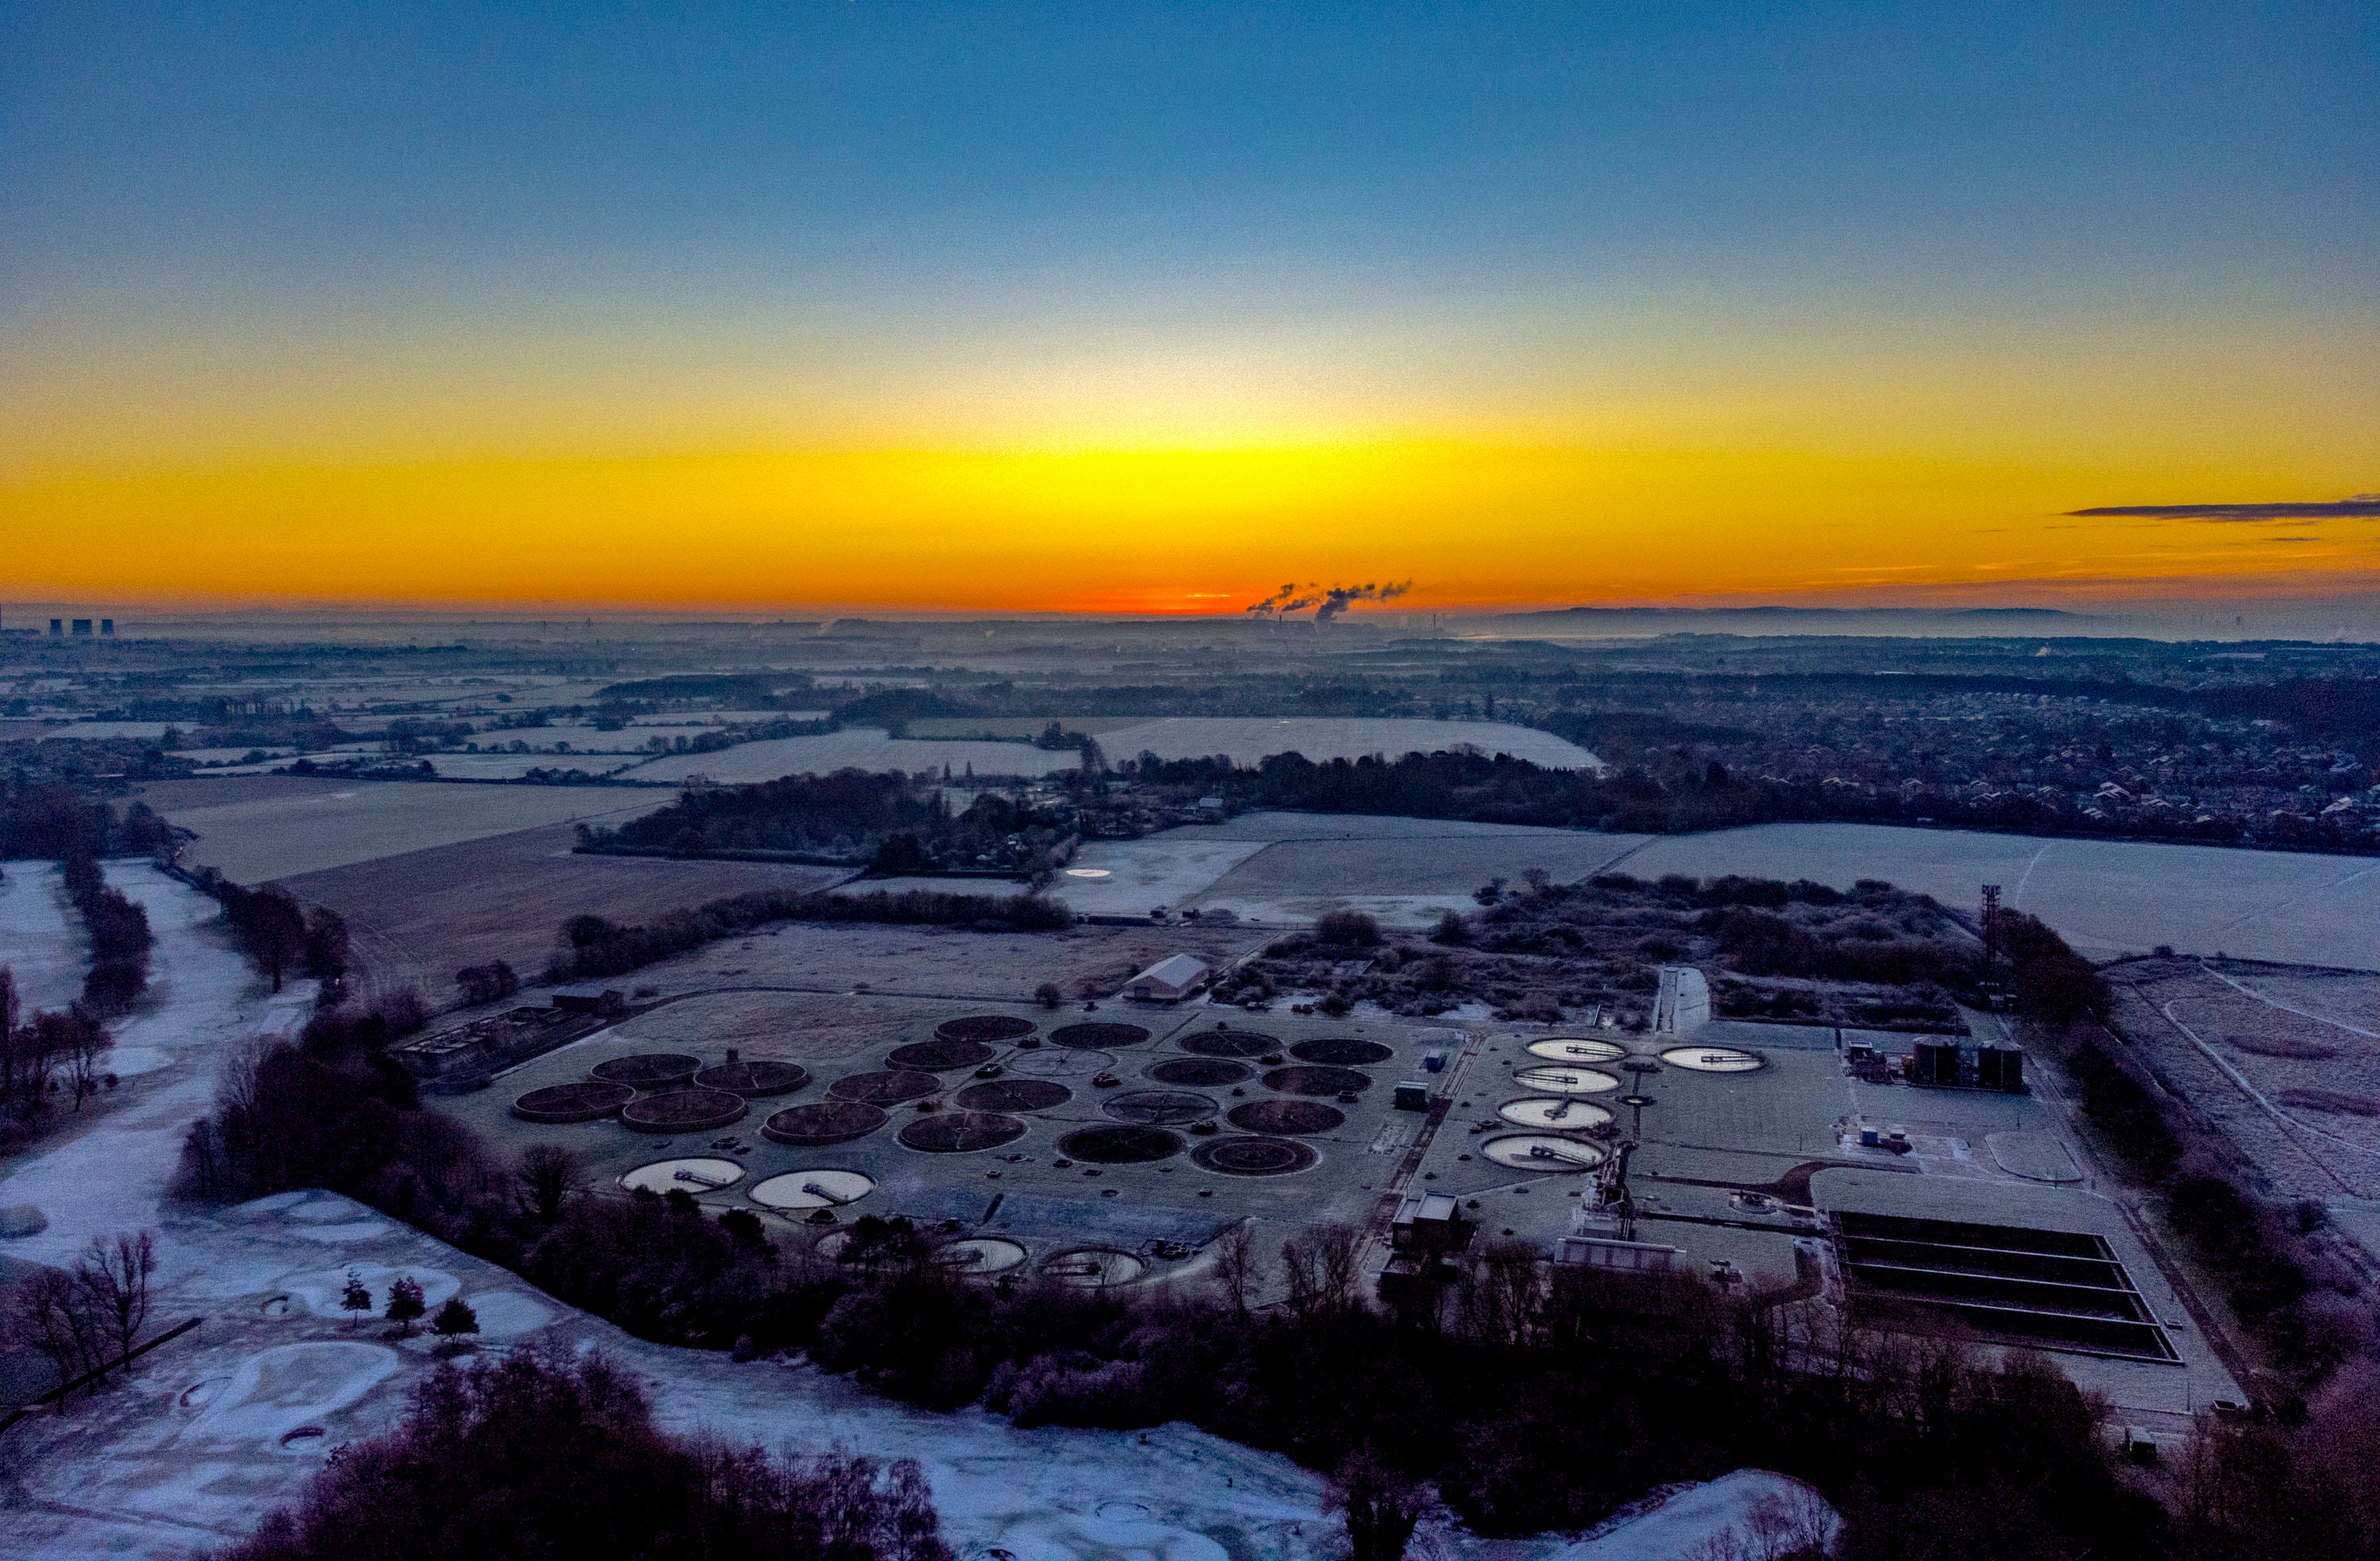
x=1327 y=603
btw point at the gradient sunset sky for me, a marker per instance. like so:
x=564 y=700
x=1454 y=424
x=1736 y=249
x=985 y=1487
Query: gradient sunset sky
x=1151 y=308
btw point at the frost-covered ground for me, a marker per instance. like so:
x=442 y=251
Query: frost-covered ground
x=220 y=1424
x=39 y=943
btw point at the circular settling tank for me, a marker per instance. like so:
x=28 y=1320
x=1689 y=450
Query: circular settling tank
x=1160 y=1107
x=830 y=1246
x=755 y=1080
x=983 y=1027
x=977 y=1254
x=1093 y=1035
x=961 y=1132
x=1562 y=1049
x=1565 y=1112
x=1342 y=1052
x=1308 y=1078
x=1542 y=1151
x=1229 y=1042
x=813 y=1189
x=1564 y=1080
x=683 y=1110
x=1013 y=1095
x=1711 y=1059
x=648 y=1070
x=1092 y=1268
x=1286 y=1116
x=939 y=1057
x=888 y=1088
x=1119 y=1145
x=1253 y=1156
x=829 y=1121
x=1060 y=1064
x=584 y=1101
x=1203 y=1072
x=697 y=1174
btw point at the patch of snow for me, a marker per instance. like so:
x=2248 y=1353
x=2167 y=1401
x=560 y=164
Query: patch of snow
x=278 y=1391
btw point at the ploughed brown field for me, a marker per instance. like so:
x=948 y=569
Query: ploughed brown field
x=422 y=916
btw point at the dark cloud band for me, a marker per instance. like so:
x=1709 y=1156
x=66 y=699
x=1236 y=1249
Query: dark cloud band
x=2362 y=506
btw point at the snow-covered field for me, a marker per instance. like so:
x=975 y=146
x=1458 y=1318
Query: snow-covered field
x=305 y=829
x=231 y=1419
x=39 y=940
x=856 y=748
x=1248 y=739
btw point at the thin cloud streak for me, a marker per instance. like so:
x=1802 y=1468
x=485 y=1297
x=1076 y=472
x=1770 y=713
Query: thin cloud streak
x=2359 y=506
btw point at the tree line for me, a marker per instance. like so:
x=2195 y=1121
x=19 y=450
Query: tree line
x=592 y=947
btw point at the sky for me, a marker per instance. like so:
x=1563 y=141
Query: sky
x=1151 y=308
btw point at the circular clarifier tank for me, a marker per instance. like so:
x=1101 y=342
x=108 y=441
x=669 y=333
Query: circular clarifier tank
x=805 y=1190
x=1312 y=1078
x=586 y=1101
x=1013 y=1095
x=1119 y=1145
x=648 y=1070
x=1160 y=1107
x=983 y=1027
x=1563 y=1079
x=889 y=1087
x=939 y=1055
x=1094 y=1036
x=1343 y=1052
x=1230 y=1043
x=1711 y=1059
x=961 y=1132
x=1202 y=1072
x=1053 y=1064
x=696 y=1174
x=829 y=1121
x=687 y=1109
x=1286 y=1116
x=755 y=1080
x=1542 y=1151
x=972 y=1256
x=1253 y=1156
x=1563 y=1112
x=1092 y=1268
x=1564 y=1048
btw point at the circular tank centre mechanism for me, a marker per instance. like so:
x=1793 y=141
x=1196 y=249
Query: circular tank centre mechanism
x=1055 y=1064
x=1553 y=1079
x=805 y=1189
x=695 y=1174
x=1563 y=1048
x=1567 y=1113
x=1711 y=1059
x=1542 y=1151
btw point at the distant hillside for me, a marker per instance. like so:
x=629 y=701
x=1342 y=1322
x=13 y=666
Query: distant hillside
x=1622 y=622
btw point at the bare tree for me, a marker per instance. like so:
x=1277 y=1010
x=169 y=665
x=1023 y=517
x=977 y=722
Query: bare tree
x=1382 y=1506
x=548 y=1175
x=1322 y=1264
x=115 y=1272
x=87 y=1046
x=51 y=1313
x=1239 y=1266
